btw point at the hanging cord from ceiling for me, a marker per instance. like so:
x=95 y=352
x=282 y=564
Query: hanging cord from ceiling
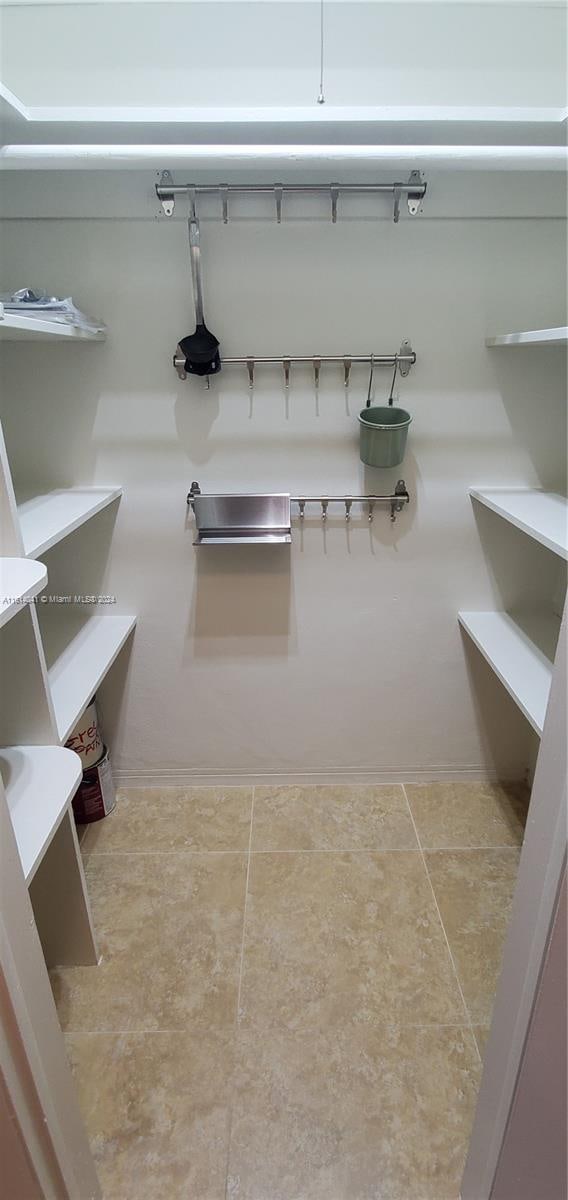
x=321 y=96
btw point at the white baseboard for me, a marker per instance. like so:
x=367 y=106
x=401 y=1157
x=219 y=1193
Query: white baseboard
x=189 y=778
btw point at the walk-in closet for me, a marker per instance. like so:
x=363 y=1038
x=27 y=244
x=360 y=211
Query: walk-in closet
x=283 y=450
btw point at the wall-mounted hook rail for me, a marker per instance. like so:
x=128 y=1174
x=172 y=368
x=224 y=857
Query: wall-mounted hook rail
x=414 y=189
x=397 y=500
x=402 y=361
x=247 y=518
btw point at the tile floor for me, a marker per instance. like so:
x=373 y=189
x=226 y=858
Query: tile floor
x=295 y=987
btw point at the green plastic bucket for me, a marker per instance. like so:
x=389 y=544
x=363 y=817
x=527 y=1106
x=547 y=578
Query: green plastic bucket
x=382 y=435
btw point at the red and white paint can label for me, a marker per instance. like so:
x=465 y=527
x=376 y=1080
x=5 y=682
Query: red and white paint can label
x=95 y=797
x=85 y=738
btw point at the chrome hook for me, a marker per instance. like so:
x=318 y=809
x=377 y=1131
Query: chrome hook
x=317 y=368
x=286 y=365
x=348 y=504
x=324 y=505
x=223 y=189
x=396 y=212
x=334 y=192
x=346 y=371
x=393 y=381
x=278 y=190
x=250 y=369
x=371 y=507
x=302 y=508
x=370 y=387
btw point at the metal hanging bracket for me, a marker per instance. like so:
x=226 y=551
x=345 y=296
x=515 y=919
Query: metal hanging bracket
x=167 y=199
x=400 y=499
x=406 y=357
x=414 y=198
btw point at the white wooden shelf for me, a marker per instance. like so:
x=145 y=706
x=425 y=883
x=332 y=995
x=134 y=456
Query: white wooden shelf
x=78 y=669
x=521 y=652
x=20 y=580
x=40 y=782
x=531 y=337
x=542 y=515
x=16 y=327
x=46 y=519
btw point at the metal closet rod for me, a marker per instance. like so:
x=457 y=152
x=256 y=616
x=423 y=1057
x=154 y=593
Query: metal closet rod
x=414 y=189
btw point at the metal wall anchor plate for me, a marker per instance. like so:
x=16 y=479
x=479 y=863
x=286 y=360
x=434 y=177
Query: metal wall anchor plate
x=168 y=201
x=179 y=363
x=404 y=367
x=398 y=505
x=414 y=200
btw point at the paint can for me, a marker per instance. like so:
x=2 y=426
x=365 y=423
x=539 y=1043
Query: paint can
x=85 y=737
x=95 y=797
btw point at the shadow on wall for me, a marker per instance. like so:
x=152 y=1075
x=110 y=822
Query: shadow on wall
x=77 y=568
x=505 y=735
x=112 y=701
x=242 y=603
x=62 y=414
x=523 y=573
x=532 y=384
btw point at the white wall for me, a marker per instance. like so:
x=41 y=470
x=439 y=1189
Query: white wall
x=343 y=654
x=268 y=54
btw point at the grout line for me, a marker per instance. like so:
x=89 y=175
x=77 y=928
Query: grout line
x=199 y=1032
x=155 y=853
x=388 y=849
x=245 y=909
x=468 y=1021
x=129 y=1032
x=302 y=850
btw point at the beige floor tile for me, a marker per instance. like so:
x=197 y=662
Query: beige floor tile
x=331 y=818
x=481 y=1034
x=452 y=815
x=156 y=1108
x=170 y=935
x=338 y=938
x=360 y=1113
x=198 y=818
x=474 y=890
